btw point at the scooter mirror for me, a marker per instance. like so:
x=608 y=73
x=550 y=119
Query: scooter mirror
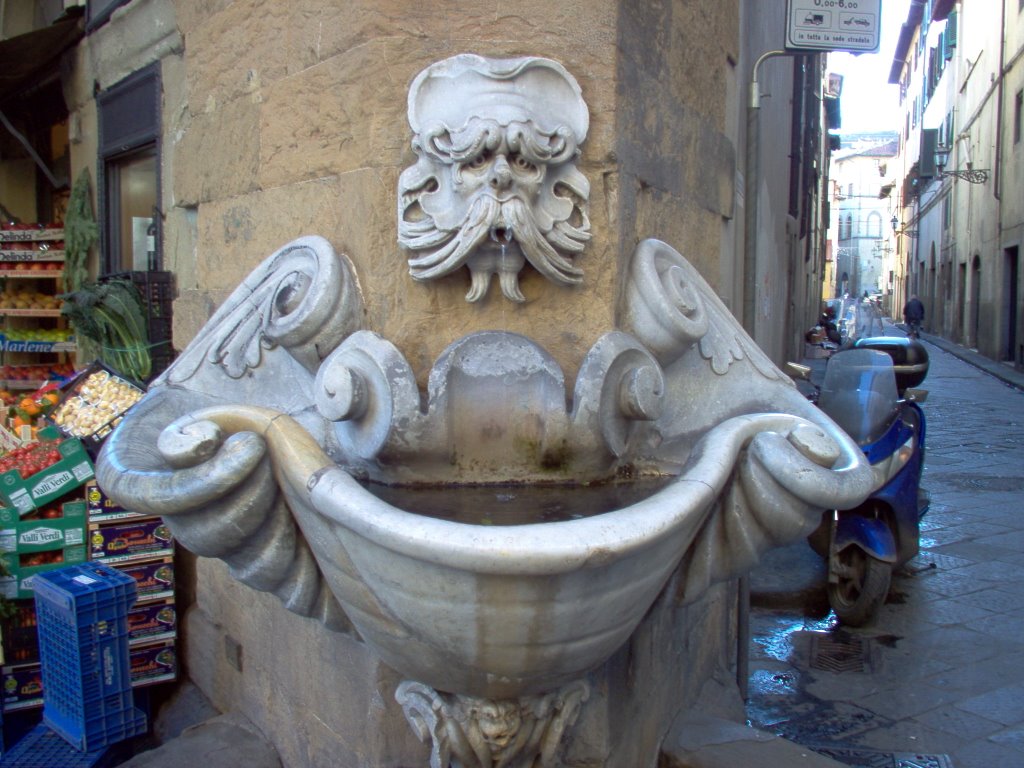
x=917 y=395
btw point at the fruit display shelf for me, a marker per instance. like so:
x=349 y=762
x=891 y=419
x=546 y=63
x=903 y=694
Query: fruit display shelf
x=31 y=243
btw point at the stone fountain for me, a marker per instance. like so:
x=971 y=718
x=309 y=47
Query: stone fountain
x=493 y=537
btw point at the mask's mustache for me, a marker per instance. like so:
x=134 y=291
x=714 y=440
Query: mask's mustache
x=536 y=248
x=502 y=222
x=475 y=228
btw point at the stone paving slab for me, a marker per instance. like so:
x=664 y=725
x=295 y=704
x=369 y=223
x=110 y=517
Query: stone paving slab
x=946 y=678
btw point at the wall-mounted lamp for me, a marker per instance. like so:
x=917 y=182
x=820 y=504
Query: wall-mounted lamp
x=899 y=228
x=970 y=175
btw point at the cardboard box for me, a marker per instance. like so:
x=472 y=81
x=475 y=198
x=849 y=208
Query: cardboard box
x=153 y=664
x=24 y=566
x=150 y=622
x=154 y=580
x=21 y=536
x=99 y=503
x=38 y=490
x=102 y=508
x=23 y=687
x=132 y=540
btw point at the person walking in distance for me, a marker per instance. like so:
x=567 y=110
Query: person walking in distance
x=913 y=316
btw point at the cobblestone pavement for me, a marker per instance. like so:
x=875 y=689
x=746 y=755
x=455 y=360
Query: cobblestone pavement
x=938 y=679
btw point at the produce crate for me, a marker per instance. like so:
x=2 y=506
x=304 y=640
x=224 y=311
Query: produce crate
x=83 y=644
x=25 y=567
x=42 y=747
x=49 y=484
x=93 y=403
x=23 y=687
x=20 y=536
x=130 y=540
x=152 y=622
x=154 y=580
x=102 y=507
x=153 y=664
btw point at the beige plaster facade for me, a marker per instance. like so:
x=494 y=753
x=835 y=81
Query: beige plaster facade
x=961 y=75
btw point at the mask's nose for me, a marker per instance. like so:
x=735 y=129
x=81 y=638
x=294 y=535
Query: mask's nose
x=501 y=174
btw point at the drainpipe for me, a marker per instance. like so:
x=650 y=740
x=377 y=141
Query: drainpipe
x=997 y=167
x=752 y=181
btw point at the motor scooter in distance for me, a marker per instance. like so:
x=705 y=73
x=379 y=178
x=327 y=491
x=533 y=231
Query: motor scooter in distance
x=870 y=391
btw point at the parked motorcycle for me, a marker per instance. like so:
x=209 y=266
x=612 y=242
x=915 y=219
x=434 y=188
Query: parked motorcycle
x=869 y=391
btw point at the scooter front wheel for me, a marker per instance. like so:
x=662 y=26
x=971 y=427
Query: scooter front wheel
x=858 y=587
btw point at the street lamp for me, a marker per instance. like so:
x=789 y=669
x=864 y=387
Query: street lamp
x=900 y=229
x=970 y=175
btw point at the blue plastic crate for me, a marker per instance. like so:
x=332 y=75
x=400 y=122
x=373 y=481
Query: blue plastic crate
x=44 y=748
x=82 y=614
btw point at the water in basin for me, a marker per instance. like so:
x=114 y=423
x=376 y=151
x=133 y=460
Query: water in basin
x=517 y=504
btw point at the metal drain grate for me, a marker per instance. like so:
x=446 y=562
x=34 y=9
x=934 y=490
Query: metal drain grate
x=840 y=652
x=864 y=758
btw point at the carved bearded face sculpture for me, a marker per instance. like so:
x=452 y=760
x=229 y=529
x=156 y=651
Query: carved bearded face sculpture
x=495 y=185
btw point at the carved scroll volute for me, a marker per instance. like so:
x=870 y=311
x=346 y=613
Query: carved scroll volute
x=315 y=308
x=619 y=385
x=663 y=307
x=304 y=298
x=366 y=387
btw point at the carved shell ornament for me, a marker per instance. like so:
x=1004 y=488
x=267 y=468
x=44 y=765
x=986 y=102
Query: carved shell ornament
x=495 y=185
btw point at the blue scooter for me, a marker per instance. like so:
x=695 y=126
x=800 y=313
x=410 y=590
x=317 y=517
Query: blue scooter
x=869 y=392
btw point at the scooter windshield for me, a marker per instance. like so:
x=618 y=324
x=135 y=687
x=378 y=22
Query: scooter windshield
x=859 y=393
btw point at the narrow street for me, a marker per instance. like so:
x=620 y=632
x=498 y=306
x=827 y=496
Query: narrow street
x=938 y=680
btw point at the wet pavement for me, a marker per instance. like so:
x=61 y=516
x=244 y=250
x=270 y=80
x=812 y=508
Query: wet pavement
x=938 y=679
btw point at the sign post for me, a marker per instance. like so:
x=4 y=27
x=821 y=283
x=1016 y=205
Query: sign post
x=833 y=25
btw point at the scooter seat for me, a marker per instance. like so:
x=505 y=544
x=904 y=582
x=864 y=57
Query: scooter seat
x=909 y=357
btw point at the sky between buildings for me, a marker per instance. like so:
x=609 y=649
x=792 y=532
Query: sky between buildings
x=868 y=103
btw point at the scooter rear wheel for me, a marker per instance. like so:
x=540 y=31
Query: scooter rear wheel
x=861 y=588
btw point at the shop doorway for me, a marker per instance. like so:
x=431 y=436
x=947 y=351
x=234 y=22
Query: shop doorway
x=961 y=300
x=975 y=300
x=1010 y=293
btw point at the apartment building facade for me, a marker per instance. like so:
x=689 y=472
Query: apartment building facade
x=959 y=189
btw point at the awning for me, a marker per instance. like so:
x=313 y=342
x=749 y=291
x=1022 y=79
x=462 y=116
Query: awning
x=26 y=59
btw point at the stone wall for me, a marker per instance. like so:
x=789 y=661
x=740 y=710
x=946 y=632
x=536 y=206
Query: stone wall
x=294 y=123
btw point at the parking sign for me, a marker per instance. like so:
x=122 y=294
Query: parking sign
x=833 y=25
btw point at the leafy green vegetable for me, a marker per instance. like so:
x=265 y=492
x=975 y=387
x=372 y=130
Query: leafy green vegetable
x=80 y=232
x=111 y=314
